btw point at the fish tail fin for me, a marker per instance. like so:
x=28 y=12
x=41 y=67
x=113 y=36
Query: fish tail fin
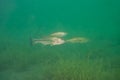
x=31 y=41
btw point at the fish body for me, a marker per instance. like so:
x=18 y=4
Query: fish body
x=58 y=34
x=77 y=40
x=57 y=41
x=50 y=41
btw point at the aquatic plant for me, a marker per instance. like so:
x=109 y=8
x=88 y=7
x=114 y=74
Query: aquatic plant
x=76 y=70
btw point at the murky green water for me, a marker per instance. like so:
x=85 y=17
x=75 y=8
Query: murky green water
x=96 y=20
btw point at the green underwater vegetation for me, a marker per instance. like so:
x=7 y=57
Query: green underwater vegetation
x=37 y=63
x=80 y=70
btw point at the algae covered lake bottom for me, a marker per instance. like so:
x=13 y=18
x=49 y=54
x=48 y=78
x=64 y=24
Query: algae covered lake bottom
x=96 y=22
x=63 y=62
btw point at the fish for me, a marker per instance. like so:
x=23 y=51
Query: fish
x=77 y=40
x=58 y=34
x=49 y=41
x=56 y=39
